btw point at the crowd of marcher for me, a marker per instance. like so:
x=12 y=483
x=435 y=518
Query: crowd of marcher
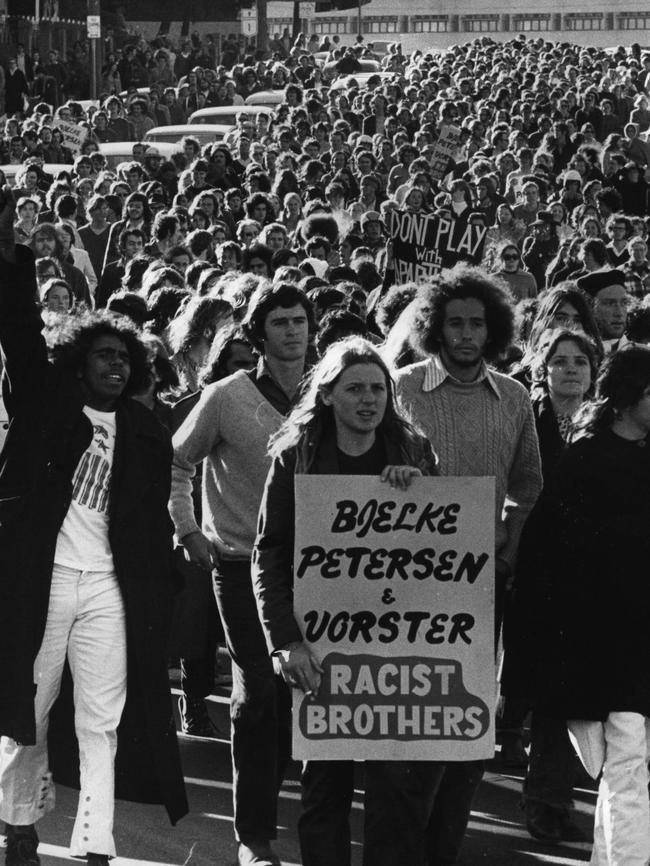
x=242 y=297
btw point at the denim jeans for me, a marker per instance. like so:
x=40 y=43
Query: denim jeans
x=86 y=623
x=260 y=707
x=622 y=821
x=398 y=800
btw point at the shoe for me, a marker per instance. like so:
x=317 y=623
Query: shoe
x=195 y=721
x=544 y=823
x=21 y=846
x=257 y=853
x=97 y=859
x=570 y=830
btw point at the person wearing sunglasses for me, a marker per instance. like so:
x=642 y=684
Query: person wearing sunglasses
x=521 y=282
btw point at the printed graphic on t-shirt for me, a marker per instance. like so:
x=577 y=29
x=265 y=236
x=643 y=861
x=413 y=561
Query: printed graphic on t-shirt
x=90 y=485
x=83 y=541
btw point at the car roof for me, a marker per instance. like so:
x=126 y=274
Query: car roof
x=266 y=97
x=361 y=78
x=204 y=131
x=223 y=110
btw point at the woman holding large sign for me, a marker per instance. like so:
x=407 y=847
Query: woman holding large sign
x=346 y=423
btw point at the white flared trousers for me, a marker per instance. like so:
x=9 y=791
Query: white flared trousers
x=622 y=823
x=86 y=623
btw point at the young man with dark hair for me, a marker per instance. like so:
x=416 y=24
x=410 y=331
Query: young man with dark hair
x=86 y=560
x=130 y=244
x=230 y=428
x=166 y=233
x=480 y=424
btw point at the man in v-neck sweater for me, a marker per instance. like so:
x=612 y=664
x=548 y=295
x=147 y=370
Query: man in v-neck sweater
x=480 y=423
x=229 y=429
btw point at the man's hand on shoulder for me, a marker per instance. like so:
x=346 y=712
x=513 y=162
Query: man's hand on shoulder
x=7 y=218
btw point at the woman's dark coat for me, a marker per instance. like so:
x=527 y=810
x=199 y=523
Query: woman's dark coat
x=579 y=641
x=48 y=433
x=273 y=552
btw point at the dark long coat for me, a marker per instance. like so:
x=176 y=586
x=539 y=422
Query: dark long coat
x=48 y=433
x=578 y=643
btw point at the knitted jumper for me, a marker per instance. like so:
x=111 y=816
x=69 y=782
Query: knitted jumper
x=229 y=428
x=474 y=432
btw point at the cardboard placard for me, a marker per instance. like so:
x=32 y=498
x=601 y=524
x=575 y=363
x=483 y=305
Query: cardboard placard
x=394 y=594
x=444 y=148
x=423 y=244
x=73 y=134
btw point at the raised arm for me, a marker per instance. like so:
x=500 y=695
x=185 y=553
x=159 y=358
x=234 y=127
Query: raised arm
x=24 y=353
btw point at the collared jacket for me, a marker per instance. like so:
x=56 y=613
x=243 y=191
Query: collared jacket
x=272 y=567
x=48 y=434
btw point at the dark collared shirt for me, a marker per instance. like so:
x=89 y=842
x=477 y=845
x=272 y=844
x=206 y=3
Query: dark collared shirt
x=261 y=377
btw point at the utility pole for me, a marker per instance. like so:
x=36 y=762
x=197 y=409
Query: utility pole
x=296 y=20
x=359 y=30
x=262 y=27
x=94 y=35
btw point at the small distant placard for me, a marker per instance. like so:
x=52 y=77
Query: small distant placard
x=93 y=23
x=73 y=134
x=394 y=594
x=443 y=150
x=249 y=22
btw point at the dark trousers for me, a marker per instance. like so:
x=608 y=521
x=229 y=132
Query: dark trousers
x=195 y=630
x=459 y=783
x=398 y=801
x=451 y=811
x=552 y=764
x=260 y=708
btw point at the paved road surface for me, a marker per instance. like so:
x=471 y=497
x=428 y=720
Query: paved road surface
x=496 y=836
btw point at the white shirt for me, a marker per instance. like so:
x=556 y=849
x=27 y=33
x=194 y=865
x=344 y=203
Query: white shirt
x=83 y=538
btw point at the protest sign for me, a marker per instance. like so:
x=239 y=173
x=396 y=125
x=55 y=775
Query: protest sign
x=394 y=594
x=423 y=244
x=74 y=135
x=443 y=150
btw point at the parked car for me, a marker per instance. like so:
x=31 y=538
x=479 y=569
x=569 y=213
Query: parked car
x=122 y=151
x=367 y=66
x=228 y=114
x=51 y=168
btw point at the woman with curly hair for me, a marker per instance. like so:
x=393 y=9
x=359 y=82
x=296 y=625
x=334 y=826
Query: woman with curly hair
x=86 y=559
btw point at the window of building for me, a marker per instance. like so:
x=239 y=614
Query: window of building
x=530 y=23
x=277 y=25
x=380 y=25
x=481 y=24
x=326 y=27
x=431 y=25
x=634 y=21
x=586 y=21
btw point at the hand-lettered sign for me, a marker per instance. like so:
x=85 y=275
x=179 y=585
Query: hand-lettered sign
x=394 y=594
x=423 y=244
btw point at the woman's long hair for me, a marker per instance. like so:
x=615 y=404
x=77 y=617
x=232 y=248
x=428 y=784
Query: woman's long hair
x=550 y=302
x=623 y=380
x=312 y=419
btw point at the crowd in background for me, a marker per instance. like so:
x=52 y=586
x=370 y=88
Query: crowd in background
x=552 y=159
